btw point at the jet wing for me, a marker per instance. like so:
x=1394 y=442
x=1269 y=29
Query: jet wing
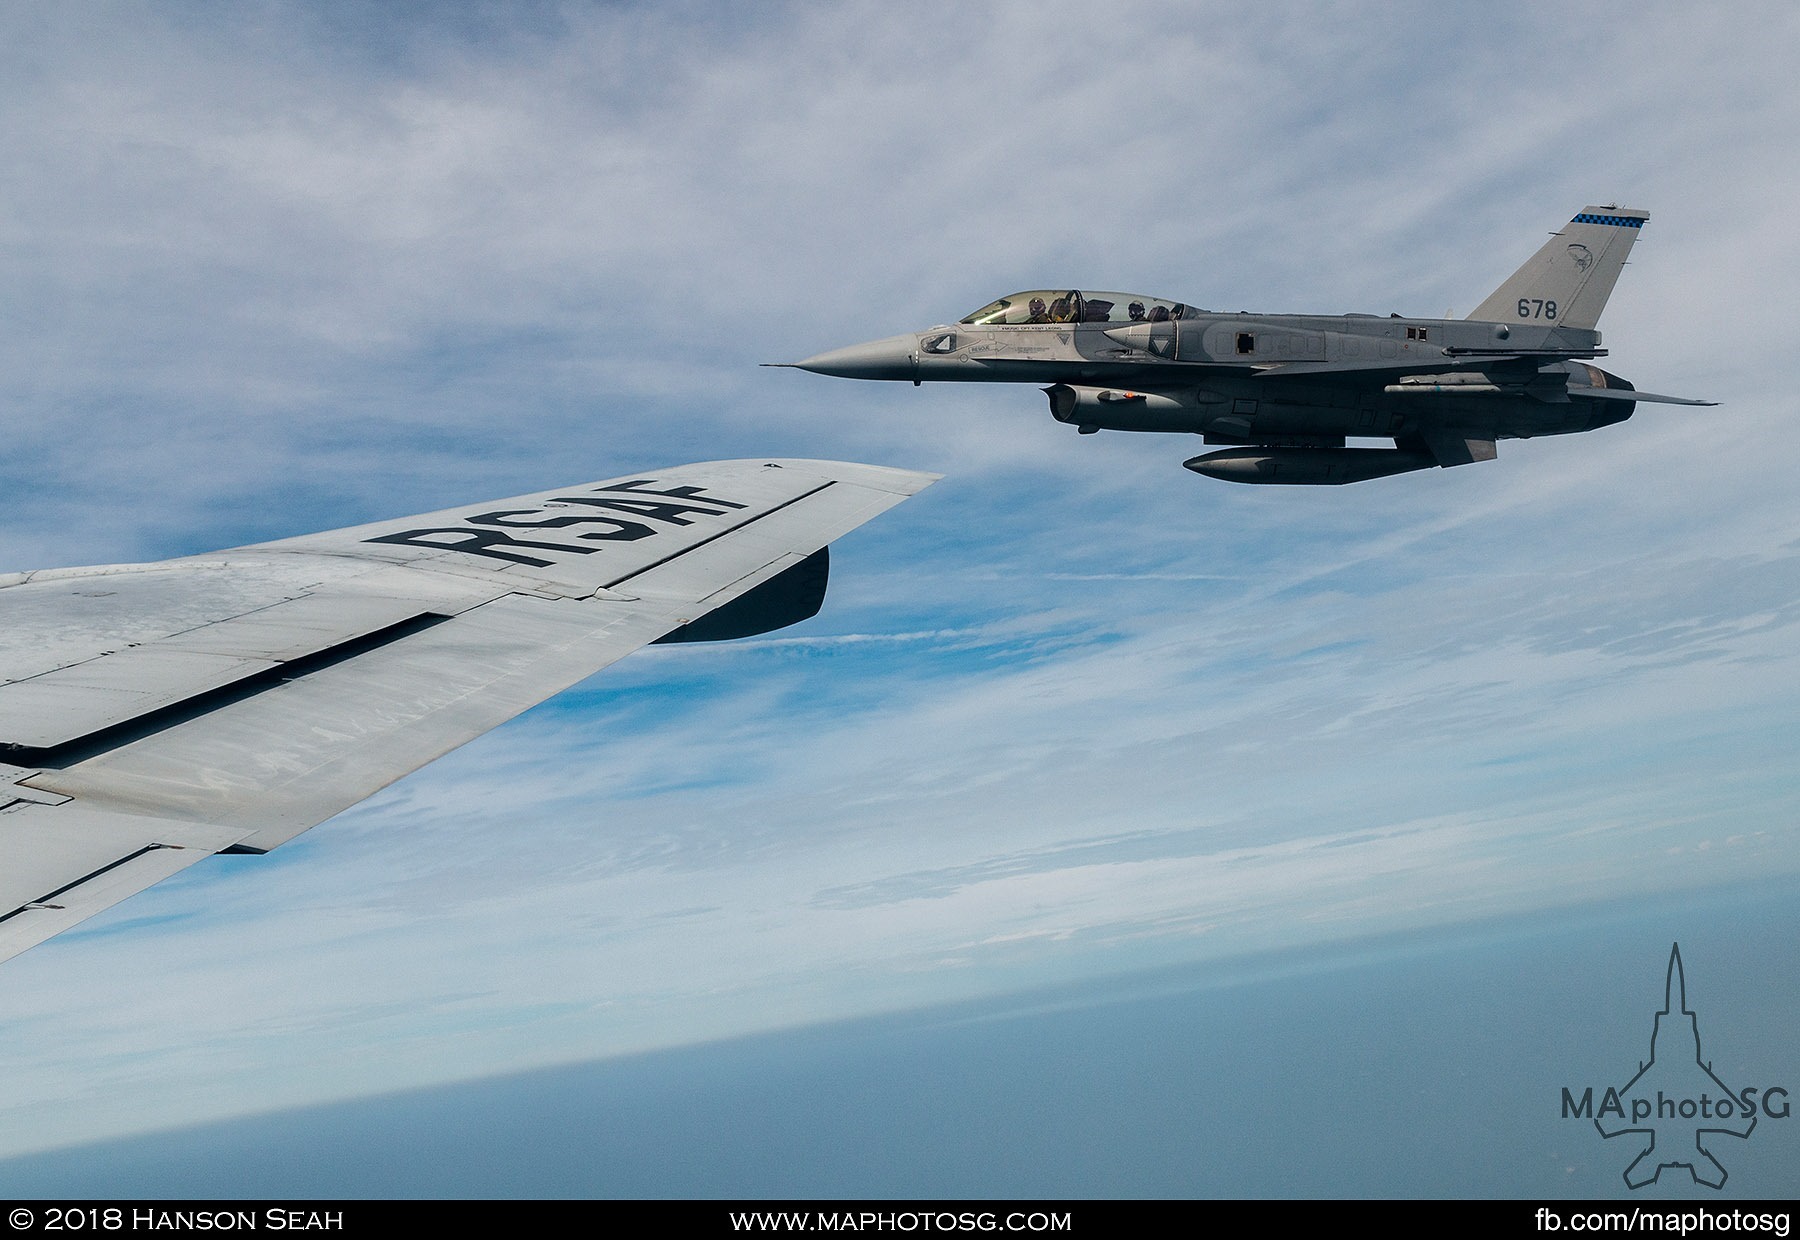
x=1370 y=368
x=154 y=714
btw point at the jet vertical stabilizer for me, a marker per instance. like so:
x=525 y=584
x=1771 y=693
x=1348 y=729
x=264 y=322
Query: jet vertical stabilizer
x=1566 y=283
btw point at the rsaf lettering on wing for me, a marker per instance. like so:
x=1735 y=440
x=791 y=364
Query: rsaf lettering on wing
x=674 y=506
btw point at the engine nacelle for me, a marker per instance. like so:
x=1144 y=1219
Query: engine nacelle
x=1308 y=466
x=1114 y=409
x=1605 y=412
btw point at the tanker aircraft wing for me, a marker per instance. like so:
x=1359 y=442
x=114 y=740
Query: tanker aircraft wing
x=152 y=715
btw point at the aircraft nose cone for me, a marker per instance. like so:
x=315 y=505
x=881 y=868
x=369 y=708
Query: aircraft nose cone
x=878 y=359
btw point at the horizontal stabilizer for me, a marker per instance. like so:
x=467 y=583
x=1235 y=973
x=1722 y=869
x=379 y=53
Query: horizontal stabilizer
x=1594 y=393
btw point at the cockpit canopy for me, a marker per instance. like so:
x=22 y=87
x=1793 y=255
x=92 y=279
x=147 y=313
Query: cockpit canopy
x=1073 y=306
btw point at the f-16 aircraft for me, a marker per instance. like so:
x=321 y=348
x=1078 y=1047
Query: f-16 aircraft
x=1285 y=391
x=152 y=715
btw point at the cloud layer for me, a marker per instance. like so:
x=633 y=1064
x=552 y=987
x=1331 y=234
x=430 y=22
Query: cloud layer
x=1073 y=711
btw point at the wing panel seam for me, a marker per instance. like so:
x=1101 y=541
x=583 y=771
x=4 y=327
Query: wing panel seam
x=742 y=525
x=117 y=735
x=44 y=899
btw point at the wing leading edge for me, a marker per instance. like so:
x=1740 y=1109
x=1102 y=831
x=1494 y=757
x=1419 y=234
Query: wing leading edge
x=152 y=715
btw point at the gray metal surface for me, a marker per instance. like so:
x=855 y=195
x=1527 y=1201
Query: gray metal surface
x=1295 y=387
x=153 y=714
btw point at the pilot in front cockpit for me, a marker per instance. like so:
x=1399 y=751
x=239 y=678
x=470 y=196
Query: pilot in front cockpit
x=1074 y=306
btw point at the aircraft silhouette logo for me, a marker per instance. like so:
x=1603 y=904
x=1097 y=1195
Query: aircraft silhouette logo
x=1675 y=1103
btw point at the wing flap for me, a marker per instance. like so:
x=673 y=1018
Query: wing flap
x=305 y=626
x=62 y=864
x=72 y=702
x=280 y=761
x=121 y=679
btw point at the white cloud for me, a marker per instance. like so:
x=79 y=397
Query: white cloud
x=1073 y=710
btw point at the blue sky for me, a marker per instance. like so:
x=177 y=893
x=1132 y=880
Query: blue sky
x=1073 y=714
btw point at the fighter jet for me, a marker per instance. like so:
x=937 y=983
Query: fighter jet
x=1282 y=393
